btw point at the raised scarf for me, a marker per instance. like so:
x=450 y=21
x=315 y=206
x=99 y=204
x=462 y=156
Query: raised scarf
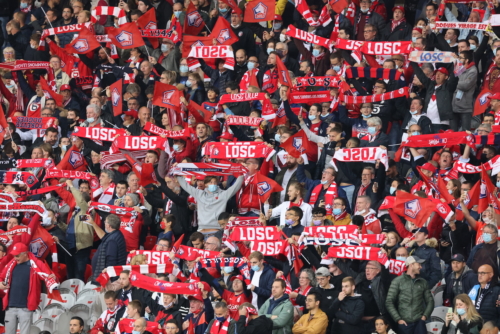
x=232 y=98
x=243 y=120
x=324 y=18
x=115 y=271
x=204 y=169
x=26 y=178
x=211 y=51
x=105 y=195
x=328 y=81
x=310 y=97
x=402 y=92
x=314 y=230
x=375 y=48
x=25 y=163
x=109 y=10
x=440 y=139
x=34 y=122
x=330 y=195
x=22 y=65
x=308 y=37
x=116 y=210
x=150 y=127
x=341 y=239
x=150 y=284
x=252 y=233
x=397 y=267
x=359 y=253
x=238 y=150
x=366 y=154
x=108 y=159
x=98 y=133
x=136 y=143
x=237 y=262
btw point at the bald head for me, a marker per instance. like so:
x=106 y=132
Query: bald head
x=484 y=274
x=140 y=325
x=212 y=244
x=489 y=328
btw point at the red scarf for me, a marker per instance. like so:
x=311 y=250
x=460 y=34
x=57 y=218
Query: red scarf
x=220 y=327
x=359 y=253
x=292 y=204
x=304 y=293
x=375 y=97
x=151 y=284
x=330 y=195
x=342 y=215
x=270 y=81
x=395 y=23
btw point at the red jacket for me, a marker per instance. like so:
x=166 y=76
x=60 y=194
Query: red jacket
x=35 y=289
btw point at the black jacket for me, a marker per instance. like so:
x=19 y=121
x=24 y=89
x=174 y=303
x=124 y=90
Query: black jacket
x=467 y=280
x=261 y=324
x=135 y=294
x=459 y=241
x=401 y=33
x=348 y=314
x=424 y=122
x=180 y=210
x=488 y=309
x=217 y=79
x=431 y=268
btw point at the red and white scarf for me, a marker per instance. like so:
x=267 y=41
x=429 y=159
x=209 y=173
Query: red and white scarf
x=300 y=292
x=150 y=284
x=324 y=17
x=116 y=210
x=308 y=37
x=216 y=262
x=395 y=23
x=330 y=195
x=109 y=10
x=375 y=97
x=342 y=215
x=238 y=150
x=231 y=98
x=115 y=271
x=98 y=133
x=150 y=127
x=219 y=327
x=104 y=195
x=359 y=253
x=204 y=169
x=366 y=154
x=243 y=120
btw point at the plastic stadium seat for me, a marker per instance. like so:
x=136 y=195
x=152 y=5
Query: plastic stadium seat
x=439 y=314
x=86 y=293
x=434 y=327
x=80 y=310
x=52 y=311
x=438 y=299
x=45 y=324
x=73 y=284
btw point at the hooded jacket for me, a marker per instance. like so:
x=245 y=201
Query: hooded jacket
x=348 y=314
x=467 y=280
x=431 y=268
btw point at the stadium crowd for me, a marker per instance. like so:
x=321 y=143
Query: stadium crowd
x=263 y=166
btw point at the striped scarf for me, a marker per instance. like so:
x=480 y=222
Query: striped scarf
x=219 y=327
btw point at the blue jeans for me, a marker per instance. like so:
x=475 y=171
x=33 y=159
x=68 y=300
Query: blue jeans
x=349 y=191
x=394 y=137
x=77 y=264
x=417 y=327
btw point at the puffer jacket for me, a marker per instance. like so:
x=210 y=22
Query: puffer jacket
x=467 y=280
x=431 y=268
x=348 y=314
x=406 y=299
x=265 y=284
x=466 y=85
x=284 y=310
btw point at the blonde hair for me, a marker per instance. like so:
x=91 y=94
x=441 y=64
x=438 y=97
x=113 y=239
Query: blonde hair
x=139 y=259
x=471 y=313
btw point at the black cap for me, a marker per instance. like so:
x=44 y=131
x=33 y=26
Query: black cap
x=421 y=229
x=458 y=257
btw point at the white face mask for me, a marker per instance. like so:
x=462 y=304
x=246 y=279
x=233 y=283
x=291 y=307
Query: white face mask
x=282 y=38
x=38 y=4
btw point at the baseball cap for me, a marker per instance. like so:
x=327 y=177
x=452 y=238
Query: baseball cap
x=197 y=296
x=64 y=87
x=322 y=272
x=442 y=70
x=240 y=277
x=494 y=96
x=428 y=166
x=401 y=8
x=19 y=248
x=458 y=257
x=413 y=259
x=277 y=17
x=132 y=113
x=421 y=229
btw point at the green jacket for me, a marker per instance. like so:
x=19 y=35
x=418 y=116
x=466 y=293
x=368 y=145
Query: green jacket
x=284 y=310
x=409 y=299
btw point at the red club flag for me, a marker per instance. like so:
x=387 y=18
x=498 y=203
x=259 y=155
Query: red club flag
x=148 y=21
x=223 y=33
x=441 y=186
x=73 y=160
x=189 y=41
x=193 y=23
x=3 y=124
x=116 y=90
x=265 y=186
x=413 y=208
x=233 y=5
x=200 y=114
x=148 y=175
x=338 y=5
x=127 y=36
x=283 y=75
x=259 y=11
x=167 y=96
x=486 y=192
x=49 y=93
x=297 y=144
x=84 y=43
x=482 y=101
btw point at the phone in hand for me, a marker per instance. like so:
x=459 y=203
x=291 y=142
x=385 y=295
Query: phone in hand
x=84 y=218
x=450 y=309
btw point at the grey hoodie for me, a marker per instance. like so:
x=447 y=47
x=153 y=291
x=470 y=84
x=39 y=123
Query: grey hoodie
x=210 y=204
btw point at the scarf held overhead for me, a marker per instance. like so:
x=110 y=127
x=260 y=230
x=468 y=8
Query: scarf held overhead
x=440 y=139
x=34 y=122
x=308 y=37
x=150 y=127
x=402 y=92
x=330 y=81
x=135 y=143
x=359 y=253
x=25 y=163
x=375 y=48
x=238 y=150
x=105 y=134
x=366 y=154
x=196 y=169
x=26 y=178
x=115 y=271
x=243 y=120
x=212 y=51
x=231 y=98
x=150 y=284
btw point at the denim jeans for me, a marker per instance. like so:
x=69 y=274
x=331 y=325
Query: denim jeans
x=77 y=264
x=394 y=137
x=417 y=327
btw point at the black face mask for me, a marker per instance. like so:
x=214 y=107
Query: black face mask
x=484 y=158
x=301 y=73
x=71 y=120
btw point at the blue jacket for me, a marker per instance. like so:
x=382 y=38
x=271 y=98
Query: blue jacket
x=431 y=268
x=265 y=284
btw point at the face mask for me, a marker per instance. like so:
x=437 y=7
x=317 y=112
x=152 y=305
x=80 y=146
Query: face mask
x=223 y=10
x=136 y=332
x=165 y=47
x=235 y=26
x=315 y=52
x=177 y=13
x=282 y=38
x=163 y=225
x=414 y=39
x=176 y=147
x=450 y=191
x=250 y=65
x=337 y=211
x=336 y=68
x=71 y=120
x=10 y=86
x=33 y=46
x=421 y=27
x=269 y=50
x=221 y=319
x=277 y=26
x=212 y=187
x=323 y=181
x=415 y=133
x=372 y=130
x=183 y=69
x=24 y=5
x=169 y=305
x=277 y=137
x=401 y=258
x=364 y=10
x=47 y=221
x=413 y=112
x=188 y=83
x=312 y=117
x=288 y=221
x=392 y=190
x=280 y=53
x=460 y=311
x=317 y=222
x=367 y=116
x=448 y=41
x=91 y=119
x=228 y=270
x=487 y=237
x=498 y=184
x=38 y=4
x=473 y=47
x=255 y=268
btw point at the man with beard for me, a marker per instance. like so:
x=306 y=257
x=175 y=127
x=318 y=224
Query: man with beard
x=285 y=177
